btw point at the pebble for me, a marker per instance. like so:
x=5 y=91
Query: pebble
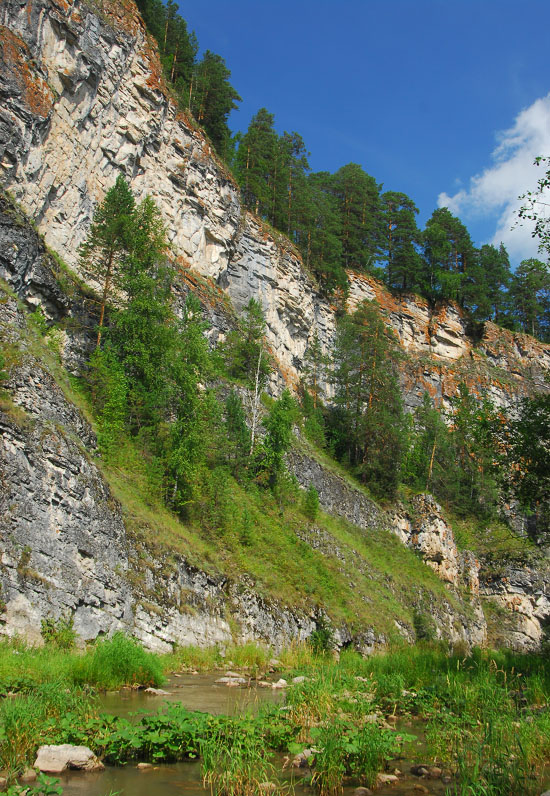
x=231 y=681
x=280 y=684
x=419 y=771
x=386 y=779
x=435 y=772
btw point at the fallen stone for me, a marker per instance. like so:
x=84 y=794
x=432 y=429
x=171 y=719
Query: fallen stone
x=300 y=679
x=435 y=772
x=3 y=783
x=362 y=792
x=157 y=691
x=419 y=771
x=231 y=680
x=386 y=779
x=144 y=766
x=280 y=684
x=29 y=775
x=301 y=759
x=55 y=759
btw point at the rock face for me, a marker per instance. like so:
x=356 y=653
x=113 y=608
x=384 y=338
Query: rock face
x=521 y=596
x=84 y=101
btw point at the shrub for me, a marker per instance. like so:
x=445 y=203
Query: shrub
x=311 y=503
x=59 y=632
x=118 y=661
x=234 y=759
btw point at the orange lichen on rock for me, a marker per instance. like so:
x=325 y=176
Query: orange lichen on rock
x=35 y=92
x=122 y=15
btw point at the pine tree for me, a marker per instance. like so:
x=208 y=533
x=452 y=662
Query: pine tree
x=367 y=428
x=400 y=239
x=108 y=242
x=255 y=163
x=358 y=197
x=449 y=256
x=212 y=98
x=530 y=292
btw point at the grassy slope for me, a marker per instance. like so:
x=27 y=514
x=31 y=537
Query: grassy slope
x=361 y=579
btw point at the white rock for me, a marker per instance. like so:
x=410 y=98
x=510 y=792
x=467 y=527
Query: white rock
x=55 y=759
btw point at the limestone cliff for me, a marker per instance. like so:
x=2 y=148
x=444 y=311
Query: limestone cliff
x=83 y=100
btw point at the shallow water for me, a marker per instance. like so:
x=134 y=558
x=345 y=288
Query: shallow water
x=200 y=692
x=195 y=692
x=170 y=780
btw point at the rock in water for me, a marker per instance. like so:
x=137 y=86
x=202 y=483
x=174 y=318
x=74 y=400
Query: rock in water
x=55 y=759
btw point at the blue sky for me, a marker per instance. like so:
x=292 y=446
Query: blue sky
x=446 y=100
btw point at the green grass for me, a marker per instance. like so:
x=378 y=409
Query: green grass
x=23 y=721
x=485 y=716
x=109 y=663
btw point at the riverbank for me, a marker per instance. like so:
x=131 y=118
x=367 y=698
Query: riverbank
x=476 y=724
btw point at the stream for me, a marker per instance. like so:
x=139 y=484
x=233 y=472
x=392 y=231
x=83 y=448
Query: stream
x=201 y=692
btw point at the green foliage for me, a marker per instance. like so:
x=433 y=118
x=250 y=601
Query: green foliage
x=311 y=503
x=401 y=238
x=367 y=427
x=322 y=638
x=118 y=661
x=44 y=786
x=460 y=461
x=278 y=424
x=238 y=436
x=530 y=297
x=424 y=626
x=201 y=86
x=346 y=750
x=59 y=633
x=109 y=390
x=39 y=321
x=529 y=458
x=23 y=720
x=235 y=760
x=244 y=349
x=3 y=373
x=212 y=98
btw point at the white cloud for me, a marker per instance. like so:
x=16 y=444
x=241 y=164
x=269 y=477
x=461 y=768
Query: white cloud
x=495 y=192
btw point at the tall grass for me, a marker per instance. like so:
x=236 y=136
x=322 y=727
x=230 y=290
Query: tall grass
x=110 y=663
x=23 y=721
x=117 y=661
x=235 y=761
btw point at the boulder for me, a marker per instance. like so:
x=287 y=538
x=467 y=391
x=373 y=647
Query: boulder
x=55 y=759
